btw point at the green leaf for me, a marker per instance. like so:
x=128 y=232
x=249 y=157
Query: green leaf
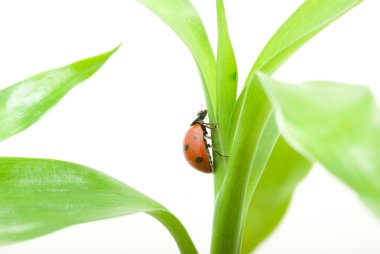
x=307 y=21
x=184 y=20
x=335 y=124
x=284 y=170
x=22 y=104
x=252 y=136
x=253 y=142
x=39 y=196
x=226 y=86
x=226 y=74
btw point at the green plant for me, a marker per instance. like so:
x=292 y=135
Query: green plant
x=273 y=132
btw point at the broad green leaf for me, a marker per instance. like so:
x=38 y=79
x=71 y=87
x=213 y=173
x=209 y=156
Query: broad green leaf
x=284 y=170
x=252 y=136
x=184 y=20
x=22 y=104
x=307 y=21
x=335 y=124
x=226 y=85
x=39 y=196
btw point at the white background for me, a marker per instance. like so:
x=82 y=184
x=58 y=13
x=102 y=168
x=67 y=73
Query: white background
x=129 y=119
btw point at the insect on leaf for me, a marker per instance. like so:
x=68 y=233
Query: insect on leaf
x=24 y=103
x=39 y=196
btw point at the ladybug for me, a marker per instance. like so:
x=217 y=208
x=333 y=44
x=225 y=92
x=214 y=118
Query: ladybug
x=195 y=146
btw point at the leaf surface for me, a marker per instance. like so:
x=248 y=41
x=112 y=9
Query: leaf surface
x=307 y=21
x=24 y=103
x=39 y=196
x=336 y=124
x=252 y=135
x=284 y=170
x=226 y=86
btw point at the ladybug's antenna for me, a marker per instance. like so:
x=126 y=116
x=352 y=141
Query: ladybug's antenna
x=200 y=116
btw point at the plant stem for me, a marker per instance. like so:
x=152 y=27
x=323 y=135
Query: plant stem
x=243 y=173
x=228 y=222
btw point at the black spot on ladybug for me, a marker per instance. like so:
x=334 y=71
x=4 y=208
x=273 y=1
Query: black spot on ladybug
x=195 y=137
x=186 y=147
x=199 y=160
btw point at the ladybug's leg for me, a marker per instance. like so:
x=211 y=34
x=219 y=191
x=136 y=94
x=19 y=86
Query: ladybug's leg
x=211 y=126
x=217 y=152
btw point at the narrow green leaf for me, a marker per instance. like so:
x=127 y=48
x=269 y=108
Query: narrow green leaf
x=307 y=21
x=335 y=124
x=39 y=196
x=284 y=170
x=226 y=86
x=226 y=74
x=24 y=103
x=184 y=20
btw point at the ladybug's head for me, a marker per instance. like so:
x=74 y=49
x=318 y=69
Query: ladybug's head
x=202 y=114
x=200 y=117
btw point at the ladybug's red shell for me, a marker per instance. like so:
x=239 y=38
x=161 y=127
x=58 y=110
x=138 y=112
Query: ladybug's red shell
x=195 y=149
